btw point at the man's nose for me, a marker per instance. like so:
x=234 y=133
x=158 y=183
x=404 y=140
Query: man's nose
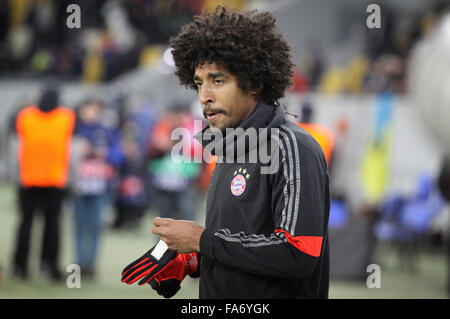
x=206 y=95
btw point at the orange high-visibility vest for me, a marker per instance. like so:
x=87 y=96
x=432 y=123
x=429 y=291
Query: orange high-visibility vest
x=323 y=136
x=44 y=146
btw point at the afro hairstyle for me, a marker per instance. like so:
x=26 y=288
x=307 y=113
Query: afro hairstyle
x=245 y=43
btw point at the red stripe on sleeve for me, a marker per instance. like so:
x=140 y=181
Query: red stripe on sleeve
x=310 y=245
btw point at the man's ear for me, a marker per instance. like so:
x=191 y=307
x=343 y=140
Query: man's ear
x=256 y=92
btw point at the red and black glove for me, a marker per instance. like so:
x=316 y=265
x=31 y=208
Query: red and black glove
x=146 y=267
x=167 y=282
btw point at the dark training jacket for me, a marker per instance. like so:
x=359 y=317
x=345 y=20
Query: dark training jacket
x=266 y=234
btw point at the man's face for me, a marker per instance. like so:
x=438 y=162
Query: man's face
x=90 y=112
x=224 y=103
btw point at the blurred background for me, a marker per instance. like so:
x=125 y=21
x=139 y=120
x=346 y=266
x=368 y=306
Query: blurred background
x=370 y=84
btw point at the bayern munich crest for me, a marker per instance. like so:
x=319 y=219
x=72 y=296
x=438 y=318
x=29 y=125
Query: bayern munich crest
x=238 y=185
x=239 y=182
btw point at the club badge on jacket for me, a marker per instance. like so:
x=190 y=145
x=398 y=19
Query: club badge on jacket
x=239 y=182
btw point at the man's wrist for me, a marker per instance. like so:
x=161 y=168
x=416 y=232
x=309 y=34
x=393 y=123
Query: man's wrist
x=197 y=247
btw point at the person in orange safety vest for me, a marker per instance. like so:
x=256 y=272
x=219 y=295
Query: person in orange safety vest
x=44 y=131
x=323 y=135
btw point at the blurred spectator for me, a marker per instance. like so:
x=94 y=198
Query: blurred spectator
x=339 y=172
x=300 y=83
x=444 y=178
x=132 y=198
x=375 y=168
x=333 y=81
x=357 y=70
x=94 y=173
x=323 y=135
x=171 y=182
x=43 y=164
x=386 y=74
x=443 y=183
x=313 y=64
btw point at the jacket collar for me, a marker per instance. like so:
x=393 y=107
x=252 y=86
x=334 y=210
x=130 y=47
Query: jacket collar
x=264 y=116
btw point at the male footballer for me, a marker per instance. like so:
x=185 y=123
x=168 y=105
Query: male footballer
x=265 y=234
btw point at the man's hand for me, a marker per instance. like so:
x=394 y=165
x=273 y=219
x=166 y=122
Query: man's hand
x=145 y=268
x=180 y=235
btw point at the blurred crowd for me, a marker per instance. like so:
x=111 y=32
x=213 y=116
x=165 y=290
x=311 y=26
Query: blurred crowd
x=119 y=35
x=120 y=157
x=380 y=66
x=115 y=35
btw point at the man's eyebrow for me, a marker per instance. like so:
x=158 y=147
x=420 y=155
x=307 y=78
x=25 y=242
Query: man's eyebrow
x=216 y=75
x=211 y=75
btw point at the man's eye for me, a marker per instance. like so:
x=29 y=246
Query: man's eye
x=217 y=81
x=198 y=84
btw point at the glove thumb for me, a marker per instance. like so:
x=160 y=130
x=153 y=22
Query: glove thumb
x=166 y=288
